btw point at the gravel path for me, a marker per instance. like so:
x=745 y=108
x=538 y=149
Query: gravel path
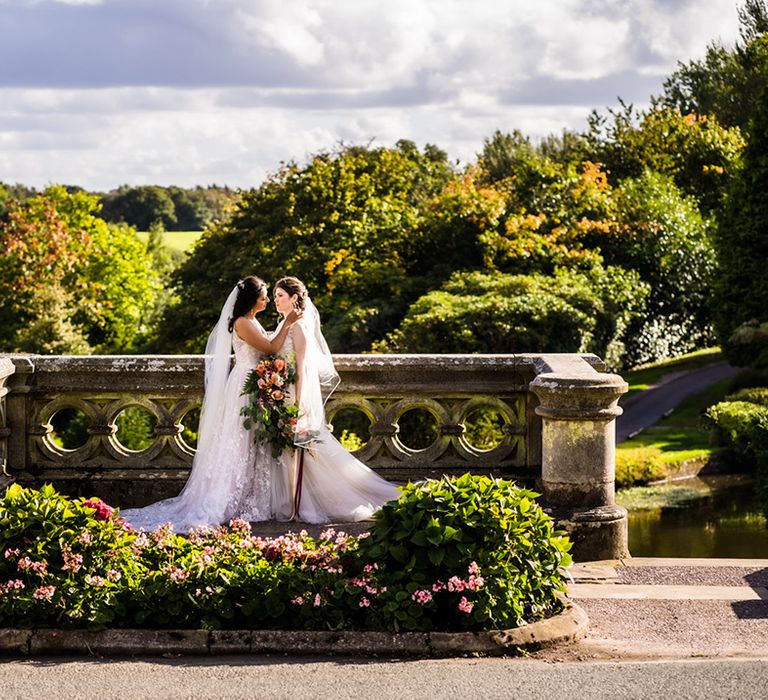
x=694 y=575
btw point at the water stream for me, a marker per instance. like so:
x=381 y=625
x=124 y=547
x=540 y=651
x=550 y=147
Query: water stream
x=713 y=516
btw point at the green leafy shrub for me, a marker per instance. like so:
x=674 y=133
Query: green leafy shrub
x=467 y=553
x=461 y=553
x=639 y=465
x=758 y=395
x=64 y=562
x=741 y=427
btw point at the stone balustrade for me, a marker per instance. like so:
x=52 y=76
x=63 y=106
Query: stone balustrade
x=557 y=414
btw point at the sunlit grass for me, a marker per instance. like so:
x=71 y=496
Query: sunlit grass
x=659 y=451
x=661 y=496
x=175 y=240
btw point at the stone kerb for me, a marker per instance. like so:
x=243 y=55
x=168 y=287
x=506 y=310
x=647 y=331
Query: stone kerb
x=578 y=408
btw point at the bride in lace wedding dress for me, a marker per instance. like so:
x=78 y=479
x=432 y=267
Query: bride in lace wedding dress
x=319 y=481
x=231 y=476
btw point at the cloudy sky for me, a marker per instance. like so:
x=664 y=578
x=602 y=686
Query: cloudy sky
x=104 y=92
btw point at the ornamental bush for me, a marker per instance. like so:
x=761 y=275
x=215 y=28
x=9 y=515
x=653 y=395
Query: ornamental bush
x=63 y=562
x=467 y=553
x=742 y=428
x=462 y=553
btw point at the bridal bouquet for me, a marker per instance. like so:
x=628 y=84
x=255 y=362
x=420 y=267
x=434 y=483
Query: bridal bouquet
x=273 y=419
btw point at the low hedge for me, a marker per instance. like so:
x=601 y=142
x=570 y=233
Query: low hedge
x=466 y=553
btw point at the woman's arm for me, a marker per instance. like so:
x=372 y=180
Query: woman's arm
x=255 y=336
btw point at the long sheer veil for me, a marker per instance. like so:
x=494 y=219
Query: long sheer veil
x=218 y=361
x=207 y=497
x=319 y=378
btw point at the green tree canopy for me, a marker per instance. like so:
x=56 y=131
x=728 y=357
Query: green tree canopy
x=349 y=224
x=724 y=83
x=566 y=312
x=695 y=150
x=55 y=243
x=741 y=289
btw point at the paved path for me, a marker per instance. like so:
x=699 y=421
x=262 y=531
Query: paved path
x=658 y=608
x=682 y=628
x=650 y=406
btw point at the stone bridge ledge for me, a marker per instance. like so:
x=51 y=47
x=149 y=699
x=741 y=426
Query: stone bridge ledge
x=558 y=414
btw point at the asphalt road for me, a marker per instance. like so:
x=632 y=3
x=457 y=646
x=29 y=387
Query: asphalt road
x=650 y=406
x=264 y=677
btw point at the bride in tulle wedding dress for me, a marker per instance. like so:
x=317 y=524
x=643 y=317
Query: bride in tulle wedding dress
x=231 y=476
x=319 y=481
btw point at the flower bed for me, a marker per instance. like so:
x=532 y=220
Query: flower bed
x=470 y=553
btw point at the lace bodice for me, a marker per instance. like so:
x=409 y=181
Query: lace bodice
x=245 y=354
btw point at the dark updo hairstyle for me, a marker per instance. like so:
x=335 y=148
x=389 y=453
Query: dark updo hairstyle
x=249 y=291
x=293 y=285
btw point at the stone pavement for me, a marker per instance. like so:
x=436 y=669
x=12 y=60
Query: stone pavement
x=657 y=608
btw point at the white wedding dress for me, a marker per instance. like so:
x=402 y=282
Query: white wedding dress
x=230 y=475
x=336 y=487
x=233 y=477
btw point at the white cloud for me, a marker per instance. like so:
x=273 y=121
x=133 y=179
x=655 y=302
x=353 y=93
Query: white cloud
x=197 y=91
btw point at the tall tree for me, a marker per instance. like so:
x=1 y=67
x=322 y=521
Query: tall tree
x=348 y=223
x=742 y=234
x=725 y=81
x=102 y=276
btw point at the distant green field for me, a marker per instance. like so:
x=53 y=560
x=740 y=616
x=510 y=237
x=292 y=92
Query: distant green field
x=176 y=240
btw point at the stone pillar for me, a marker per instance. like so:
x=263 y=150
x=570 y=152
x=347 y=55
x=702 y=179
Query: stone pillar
x=578 y=406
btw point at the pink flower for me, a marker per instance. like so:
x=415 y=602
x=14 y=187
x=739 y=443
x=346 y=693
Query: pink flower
x=44 y=592
x=317 y=601
x=26 y=564
x=114 y=575
x=364 y=602
x=176 y=574
x=438 y=586
x=11 y=553
x=473 y=568
x=15 y=584
x=95 y=581
x=72 y=562
x=103 y=511
x=456 y=584
x=240 y=525
x=465 y=606
x=421 y=597
x=475 y=583
x=85 y=537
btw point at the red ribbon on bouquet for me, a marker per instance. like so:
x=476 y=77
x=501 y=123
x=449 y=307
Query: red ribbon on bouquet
x=299 y=479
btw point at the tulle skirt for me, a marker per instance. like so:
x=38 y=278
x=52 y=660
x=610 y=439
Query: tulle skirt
x=336 y=487
x=230 y=475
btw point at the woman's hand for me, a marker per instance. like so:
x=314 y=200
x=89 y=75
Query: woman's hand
x=294 y=316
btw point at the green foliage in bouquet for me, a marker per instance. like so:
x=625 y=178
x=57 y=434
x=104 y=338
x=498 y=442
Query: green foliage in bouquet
x=270 y=411
x=462 y=553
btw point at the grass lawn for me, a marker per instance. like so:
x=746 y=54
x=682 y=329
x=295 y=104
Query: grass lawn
x=176 y=240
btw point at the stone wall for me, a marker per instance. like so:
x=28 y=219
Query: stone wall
x=527 y=391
